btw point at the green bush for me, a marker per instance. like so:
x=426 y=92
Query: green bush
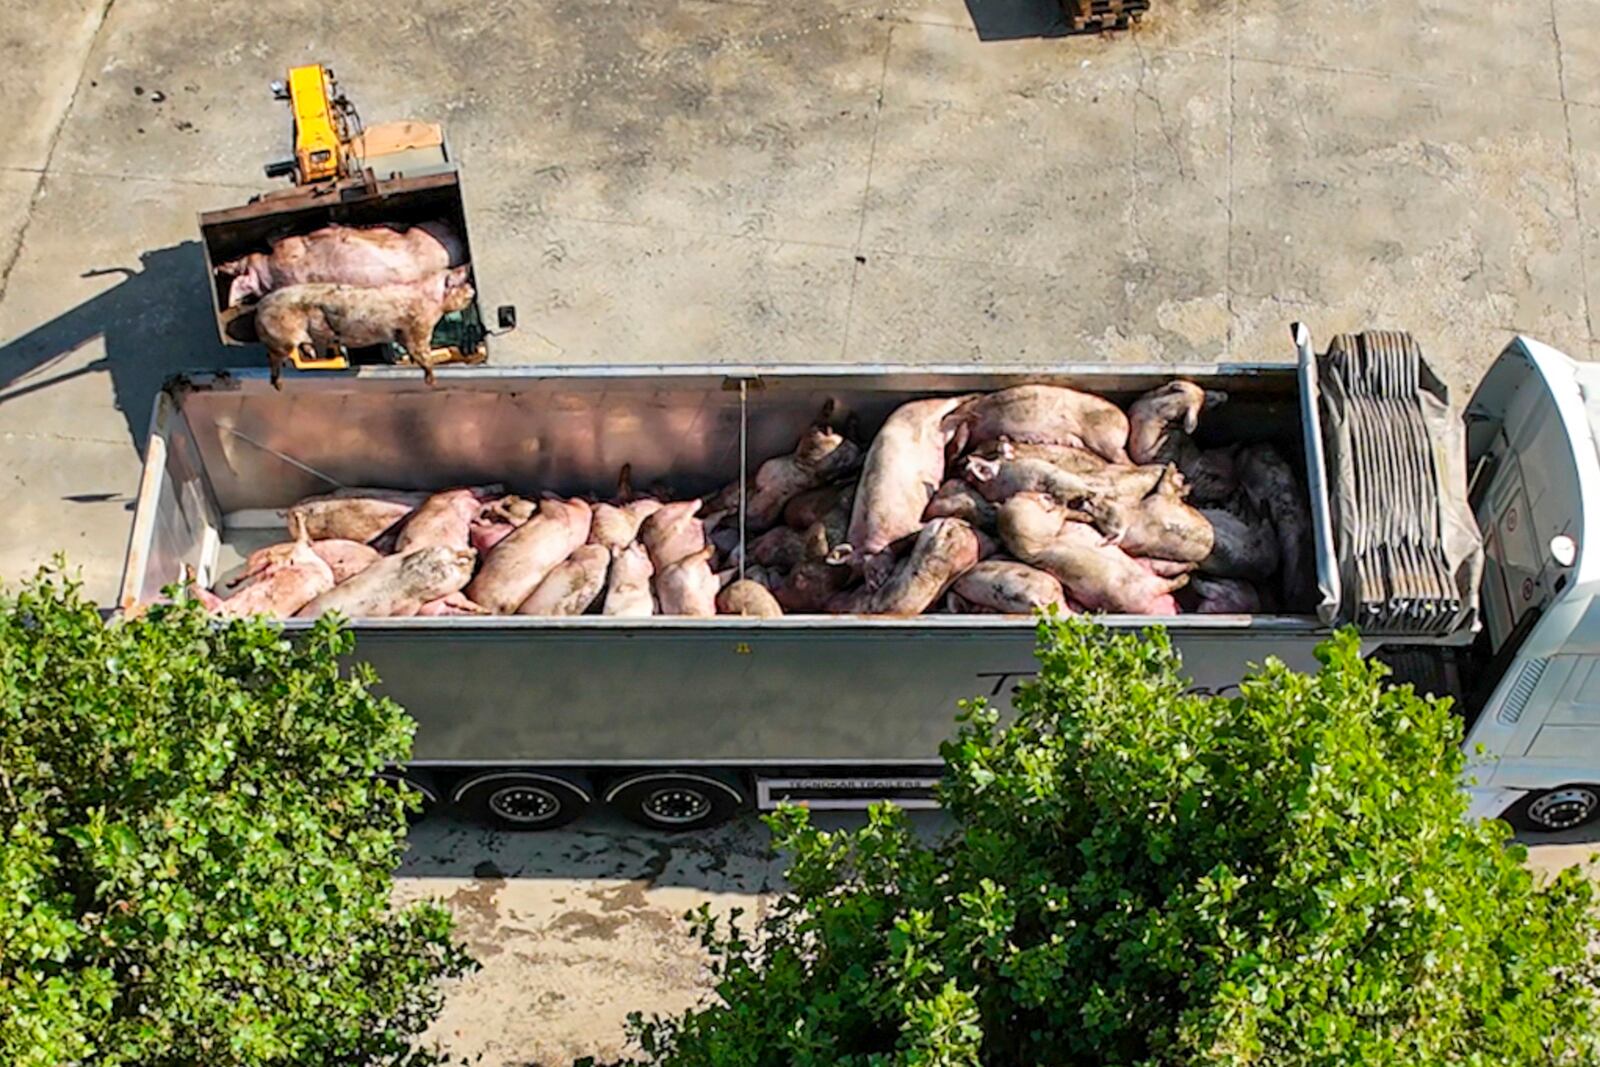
x=1138 y=875
x=195 y=860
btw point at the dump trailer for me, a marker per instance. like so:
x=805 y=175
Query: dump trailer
x=680 y=722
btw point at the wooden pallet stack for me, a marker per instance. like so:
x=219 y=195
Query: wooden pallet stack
x=1096 y=16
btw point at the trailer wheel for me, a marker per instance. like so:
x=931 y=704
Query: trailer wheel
x=675 y=800
x=524 y=800
x=1551 y=810
x=421 y=784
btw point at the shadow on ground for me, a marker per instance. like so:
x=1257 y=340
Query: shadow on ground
x=1010 y=20
x=155 y=321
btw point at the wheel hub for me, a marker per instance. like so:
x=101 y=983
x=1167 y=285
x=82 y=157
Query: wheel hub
x=676 y=804
x=524 y=803
x=1563 y=808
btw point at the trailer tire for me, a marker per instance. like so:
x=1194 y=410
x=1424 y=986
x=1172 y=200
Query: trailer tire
x=422 y=784
x=675 y=801
x=1549 y=811
x=524 y=800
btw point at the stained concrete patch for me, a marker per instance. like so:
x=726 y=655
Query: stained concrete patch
x=42 y=47
x=1362 y=202
x=1498 y=47
x=583 y=927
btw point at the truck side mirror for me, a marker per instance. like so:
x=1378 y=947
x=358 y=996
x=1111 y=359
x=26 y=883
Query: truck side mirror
x=506 y=316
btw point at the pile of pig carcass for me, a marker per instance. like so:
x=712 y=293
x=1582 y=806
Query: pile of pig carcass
x=351 y=287
x=1027 y=498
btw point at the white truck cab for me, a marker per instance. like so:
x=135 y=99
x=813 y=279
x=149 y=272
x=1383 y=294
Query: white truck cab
x=1532 y=680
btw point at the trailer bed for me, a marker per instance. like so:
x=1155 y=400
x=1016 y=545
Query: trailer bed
x=228 y=453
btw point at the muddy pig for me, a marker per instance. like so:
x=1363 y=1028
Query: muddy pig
x=1044 y=414
x=957 y=499
x=443 y=519
x=1100 y=576
x=314 y=317
x=360 y=519
x=945 y=550
x=496 y=520
x=397 y=586
x=572 y=586
x=1009 y=588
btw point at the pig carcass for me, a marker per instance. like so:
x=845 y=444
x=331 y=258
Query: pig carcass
x=344 y=558
x=397 y=585
x=688 y=586
x=1224 y=596
x=1102 y=476
x=1246 y=546
x=903 y=469
x=347 y=518
x=345 y=255
x=1269 y=483
x=813 y=580
x=750 y=598
x=1097 y=575
x=617 y=525
x=573 y=585
x=1161 y=421
x=496 y=520
x=815 y=505
x=628 y=585
x=1159 y=524
x=313 y=317
x=781 y=547
x=453 y=604
x=289 y=577
x=527 y=556
x=1044 y=414
x=957 y=499
x=1007 y=587
x=945 y=549
x=821 y=456
x=443 y=519
x=672 y=532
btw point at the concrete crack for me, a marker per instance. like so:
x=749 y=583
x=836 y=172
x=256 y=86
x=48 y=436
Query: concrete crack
x=1572 y=172
x=1161 y=109
x=50 y=153
x=866 y=192
x=1227 y=279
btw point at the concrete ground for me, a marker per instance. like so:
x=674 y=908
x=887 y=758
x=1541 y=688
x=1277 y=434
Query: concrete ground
x=754 y=181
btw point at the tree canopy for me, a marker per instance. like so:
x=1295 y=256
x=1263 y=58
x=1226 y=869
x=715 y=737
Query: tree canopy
x=1141 y=875
x=195 y=855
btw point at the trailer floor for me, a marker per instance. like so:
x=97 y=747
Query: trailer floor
x=752 y=181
